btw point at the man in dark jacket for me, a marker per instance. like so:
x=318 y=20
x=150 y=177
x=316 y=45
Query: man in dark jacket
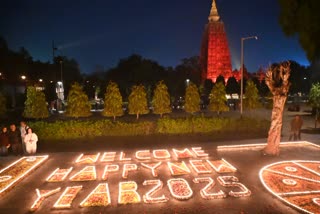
x=4 y=142
x=15 y=140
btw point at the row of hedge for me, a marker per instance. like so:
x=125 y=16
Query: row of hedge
x=73 y=129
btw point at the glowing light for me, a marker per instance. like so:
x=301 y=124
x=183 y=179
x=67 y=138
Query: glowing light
x=316 y=201
x=88 y=159
x=293 y=176
x=5 y=178
x=262 y=145
x=266 y=174
x=128 y=193
x=152 y=167
x=148 y=197
x=66 y=198
x=109 y=168
x=199 y=152
x=100 y=196
x=88 y=173
x=127 y=168
x=291 y=169
x=222 y=166
x=58 y=175
x=41 y=195
x=24 y=166
x=178 y=168
x=179 y=188
x=108 y=157
x=232 y=181
x=180 y=154
x=161 y=154
x=199 y=167
x=289 y=182
x=123 y=157
x=205 y=191
x=143 y=155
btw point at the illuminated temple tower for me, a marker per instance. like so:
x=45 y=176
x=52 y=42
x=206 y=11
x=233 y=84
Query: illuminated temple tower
x=215 y=55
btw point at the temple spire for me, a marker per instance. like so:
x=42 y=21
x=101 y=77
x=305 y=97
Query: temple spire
x=214 y=16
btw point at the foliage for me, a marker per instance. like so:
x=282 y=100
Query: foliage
x=75 y=129
x=301 y=18
x=251 y=100
x=78 y=104
x=218 y=100
x=35 y=104
x=112 y=101
x=314 y=96
x=192 y=99
x=161 y=99
x=138 y=103
x=3 y=104
x=72 y=129
x=314 y=100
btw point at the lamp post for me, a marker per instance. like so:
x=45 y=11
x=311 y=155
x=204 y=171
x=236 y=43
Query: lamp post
x=61 y=61
x=241 y=72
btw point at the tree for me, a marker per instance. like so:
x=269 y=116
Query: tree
x=277 y=79
x=161 y=99
x=112 y=101
x=251 y=100
x=35 y=104
x=302 y=18
x=3 y=104
x=218 y=98
x=138 y=103
x=77 y=103
x=314 y=100
x=192 y=99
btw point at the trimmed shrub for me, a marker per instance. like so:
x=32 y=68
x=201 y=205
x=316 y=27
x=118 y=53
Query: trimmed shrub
x=161 y=99
x=112 y=101
x=78 y=104
x=35 y=105
x=64 y=130
x=192 y=99
x=251 y=100
x=138 y=103
x=218 y=100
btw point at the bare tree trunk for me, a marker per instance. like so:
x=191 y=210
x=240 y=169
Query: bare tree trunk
x=137 y=116
x=277 y=80
x=274 y=134
x=114 y=118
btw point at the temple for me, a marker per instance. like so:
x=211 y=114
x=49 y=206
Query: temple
x=215 y=57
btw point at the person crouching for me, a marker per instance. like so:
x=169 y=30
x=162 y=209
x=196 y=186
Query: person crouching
x=31 y=140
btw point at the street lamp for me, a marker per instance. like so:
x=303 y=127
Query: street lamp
x=241 y=90
x=23 y=77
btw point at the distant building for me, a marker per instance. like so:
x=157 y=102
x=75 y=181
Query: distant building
x=215 y=56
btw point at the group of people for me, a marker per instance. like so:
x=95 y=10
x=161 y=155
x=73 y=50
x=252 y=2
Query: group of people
x=19 y=141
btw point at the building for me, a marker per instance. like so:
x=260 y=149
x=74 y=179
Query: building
x=215 y=56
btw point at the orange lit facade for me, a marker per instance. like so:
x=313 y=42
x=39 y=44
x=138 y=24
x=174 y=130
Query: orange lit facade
x=215 y=56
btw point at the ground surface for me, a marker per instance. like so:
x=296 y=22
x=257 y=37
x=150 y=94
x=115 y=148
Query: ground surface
x=248 y=162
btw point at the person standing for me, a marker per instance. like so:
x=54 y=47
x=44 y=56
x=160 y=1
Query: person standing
x=15 y=139
x=4 y=142
x=23 y=131
x=31 y=140
x=296 y=124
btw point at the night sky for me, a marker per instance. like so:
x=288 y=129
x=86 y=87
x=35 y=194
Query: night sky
x=100 y=32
